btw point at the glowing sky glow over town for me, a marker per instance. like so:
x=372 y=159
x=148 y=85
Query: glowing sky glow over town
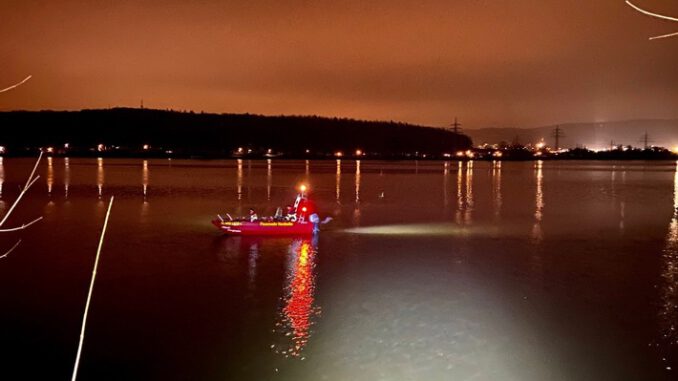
x=491 y=63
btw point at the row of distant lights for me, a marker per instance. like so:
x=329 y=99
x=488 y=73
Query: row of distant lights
x=625 y=148
x=341 y=154
x=358 y=152
x=100 y=148
x=240 y=150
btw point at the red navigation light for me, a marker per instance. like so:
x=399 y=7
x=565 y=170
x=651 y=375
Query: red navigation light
x=303 y=209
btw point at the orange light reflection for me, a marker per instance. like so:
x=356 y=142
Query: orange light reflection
x=298 y=310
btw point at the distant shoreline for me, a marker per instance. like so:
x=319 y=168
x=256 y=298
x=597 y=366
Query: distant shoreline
x=148 y=133
x=561 y=157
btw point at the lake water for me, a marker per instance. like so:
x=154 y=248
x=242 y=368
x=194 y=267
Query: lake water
x=429 y=271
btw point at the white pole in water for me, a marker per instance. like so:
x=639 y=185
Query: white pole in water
x=89 y=294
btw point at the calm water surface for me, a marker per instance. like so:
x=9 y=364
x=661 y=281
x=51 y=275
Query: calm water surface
x=429 y=271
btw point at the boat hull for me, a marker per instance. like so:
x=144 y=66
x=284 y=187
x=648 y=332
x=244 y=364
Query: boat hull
x=264 y=228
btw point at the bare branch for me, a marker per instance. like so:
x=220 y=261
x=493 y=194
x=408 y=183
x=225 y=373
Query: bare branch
x=31 y=180
x=34 y=168
x=652 y=14
x=16 y=85
x=664 y=36
x=10 y=250
x=89 y=294
x=22 y=227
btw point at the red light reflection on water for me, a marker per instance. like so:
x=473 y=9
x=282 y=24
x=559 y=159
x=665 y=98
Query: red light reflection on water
x=298 y=310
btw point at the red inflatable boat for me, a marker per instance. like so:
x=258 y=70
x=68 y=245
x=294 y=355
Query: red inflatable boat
x=264 y=227
x=301 y=219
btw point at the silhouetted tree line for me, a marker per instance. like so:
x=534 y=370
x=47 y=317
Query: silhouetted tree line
x=630 y=153
x=219 y=134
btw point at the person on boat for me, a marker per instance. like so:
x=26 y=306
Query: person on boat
x=314 y=218
x=278 y=214
x=289 y=213
x=253 y=215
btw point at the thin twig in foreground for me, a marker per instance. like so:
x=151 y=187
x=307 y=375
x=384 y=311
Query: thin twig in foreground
x=22 y=227
x=89 y=294
x=16 y=85
x=29 y=182
x=664 y=36
x=652 y=14
x=10 y=250
x=657 y=15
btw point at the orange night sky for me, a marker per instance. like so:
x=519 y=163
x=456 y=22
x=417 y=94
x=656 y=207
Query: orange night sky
x=491 y=63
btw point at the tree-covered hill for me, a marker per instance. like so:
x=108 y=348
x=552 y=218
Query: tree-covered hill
x=219 y=134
